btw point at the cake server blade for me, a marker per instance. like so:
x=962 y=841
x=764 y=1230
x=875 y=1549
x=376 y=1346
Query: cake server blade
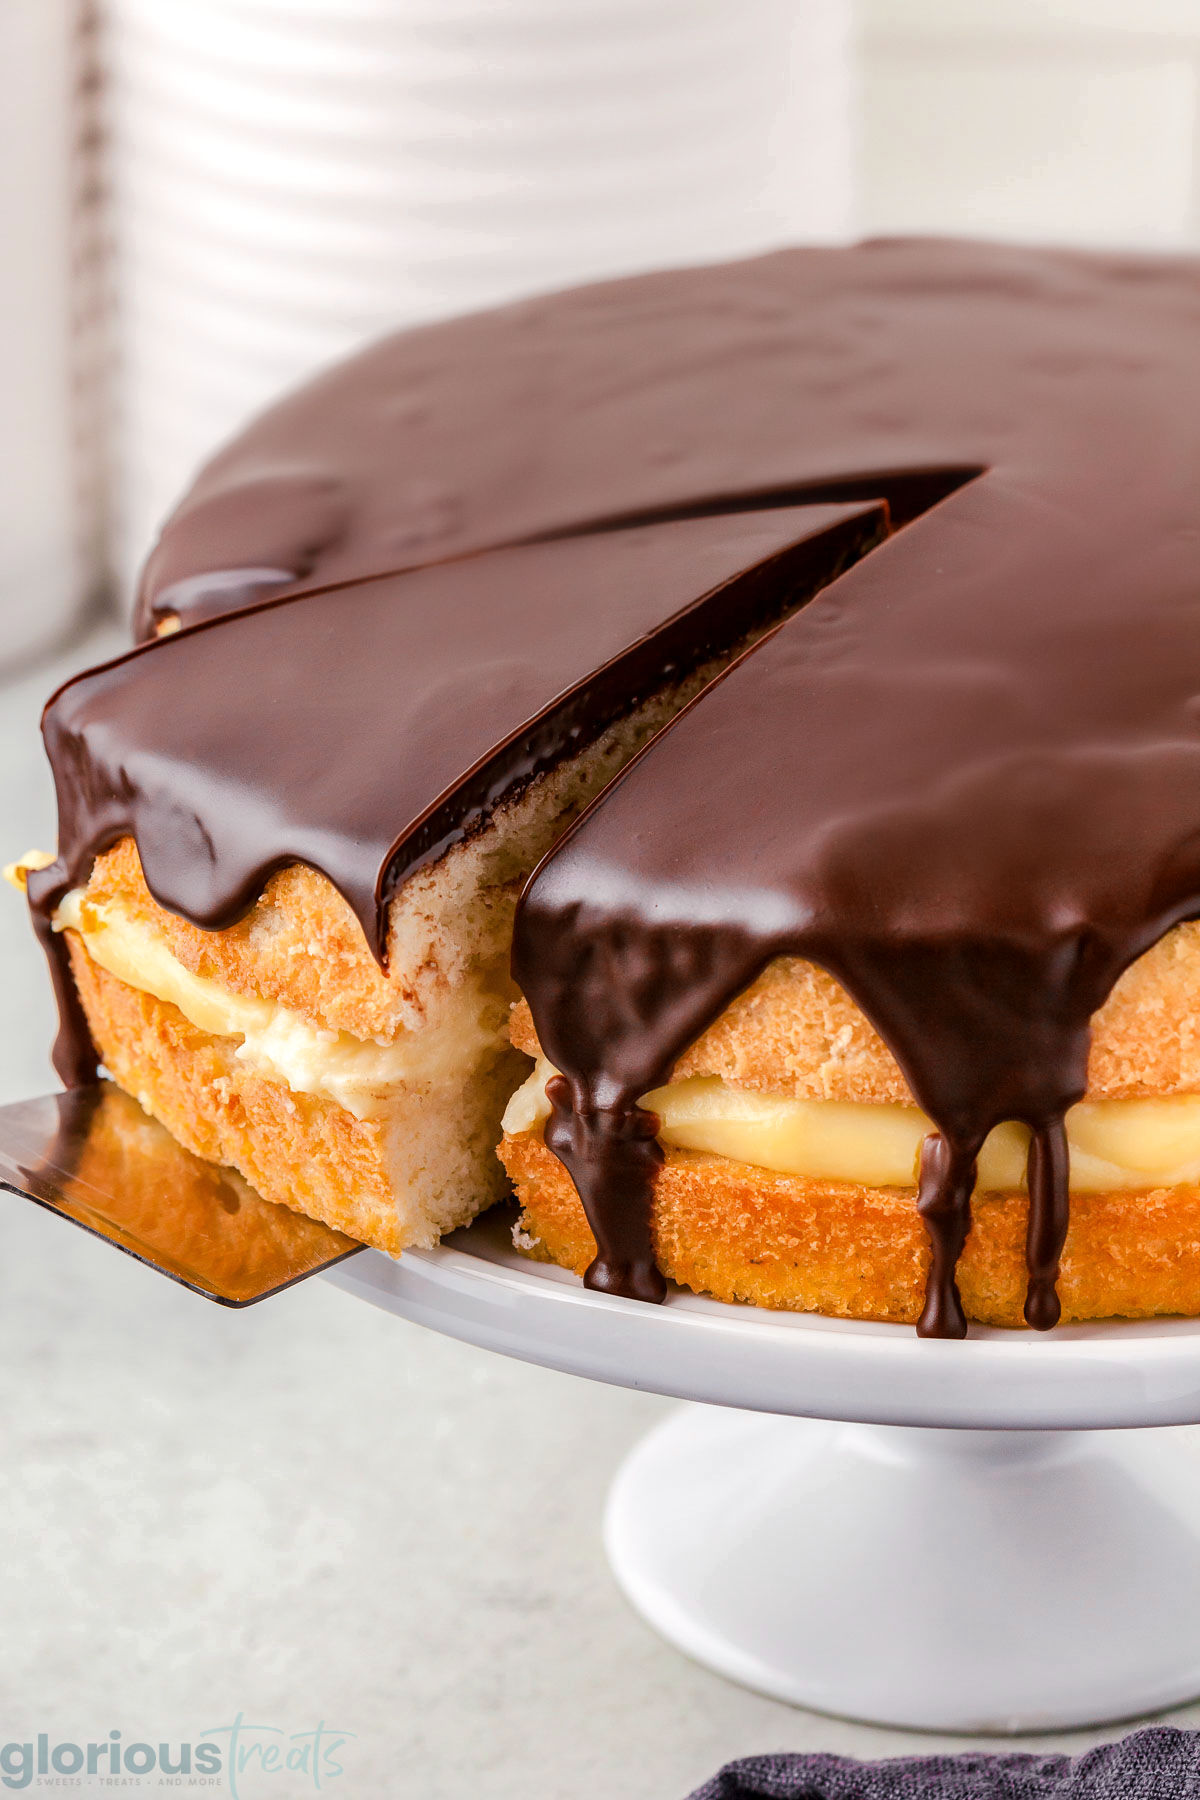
x=92 y=1156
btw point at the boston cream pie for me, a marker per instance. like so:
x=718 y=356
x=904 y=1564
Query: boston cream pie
x=893 y=862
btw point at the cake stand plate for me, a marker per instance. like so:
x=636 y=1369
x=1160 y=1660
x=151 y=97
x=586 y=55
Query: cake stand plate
x=951 y=1536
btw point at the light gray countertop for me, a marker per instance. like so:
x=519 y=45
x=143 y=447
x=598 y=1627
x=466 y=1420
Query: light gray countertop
x=312 y=1511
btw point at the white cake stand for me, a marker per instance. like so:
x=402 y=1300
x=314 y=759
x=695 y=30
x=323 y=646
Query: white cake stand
x=980 y=1545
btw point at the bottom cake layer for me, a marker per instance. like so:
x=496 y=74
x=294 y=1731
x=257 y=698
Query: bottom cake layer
x=401 y=1178
x=793 y=1243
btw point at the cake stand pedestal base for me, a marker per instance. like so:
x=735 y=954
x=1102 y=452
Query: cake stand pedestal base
x=981 y=1581
x=981 y=1550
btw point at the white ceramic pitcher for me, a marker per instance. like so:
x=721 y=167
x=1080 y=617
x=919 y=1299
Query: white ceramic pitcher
x=293 y=176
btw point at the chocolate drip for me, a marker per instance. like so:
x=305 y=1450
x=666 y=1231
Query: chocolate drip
x=603 y=1149
x=74 y=1055
x=1049 y=1217
x=365 y=731
x=947 y=1182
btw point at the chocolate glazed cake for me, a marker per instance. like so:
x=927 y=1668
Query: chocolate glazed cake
x=963 y=782
x=304 y=827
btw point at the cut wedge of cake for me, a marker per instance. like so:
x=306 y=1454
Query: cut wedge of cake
x=292 y=842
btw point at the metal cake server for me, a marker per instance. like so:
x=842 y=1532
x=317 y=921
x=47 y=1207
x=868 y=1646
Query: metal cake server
x=92 y=1156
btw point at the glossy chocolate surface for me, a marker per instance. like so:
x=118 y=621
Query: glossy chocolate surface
x=364 y=731
x=772 y=380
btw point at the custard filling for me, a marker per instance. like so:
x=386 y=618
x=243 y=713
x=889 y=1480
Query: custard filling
x=277 y=1042
x=1114 y=1144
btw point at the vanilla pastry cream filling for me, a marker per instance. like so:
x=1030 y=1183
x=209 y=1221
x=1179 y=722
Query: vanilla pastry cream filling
x=276 y=1042
x=1114 y=1144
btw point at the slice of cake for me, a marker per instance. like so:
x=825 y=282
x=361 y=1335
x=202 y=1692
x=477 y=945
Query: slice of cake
x=291 y=842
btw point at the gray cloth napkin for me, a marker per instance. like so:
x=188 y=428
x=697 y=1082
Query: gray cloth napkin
x=1156 y=1764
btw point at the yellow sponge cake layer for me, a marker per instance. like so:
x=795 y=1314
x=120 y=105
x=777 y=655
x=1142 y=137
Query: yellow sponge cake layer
x=795 y=1031
x=803 y=1245
x=279 y=1042
x=404 y=1176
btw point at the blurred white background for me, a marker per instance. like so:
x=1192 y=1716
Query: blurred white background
x=289 y=179
x=279 y=179
x=1067 y=120
x=314 y=1511
x=51 y=556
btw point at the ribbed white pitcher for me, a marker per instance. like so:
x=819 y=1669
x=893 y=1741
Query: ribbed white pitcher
x=293 y=176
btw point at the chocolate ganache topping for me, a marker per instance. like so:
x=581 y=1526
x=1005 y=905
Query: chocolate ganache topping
x=806 y=375
x=365 y=731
